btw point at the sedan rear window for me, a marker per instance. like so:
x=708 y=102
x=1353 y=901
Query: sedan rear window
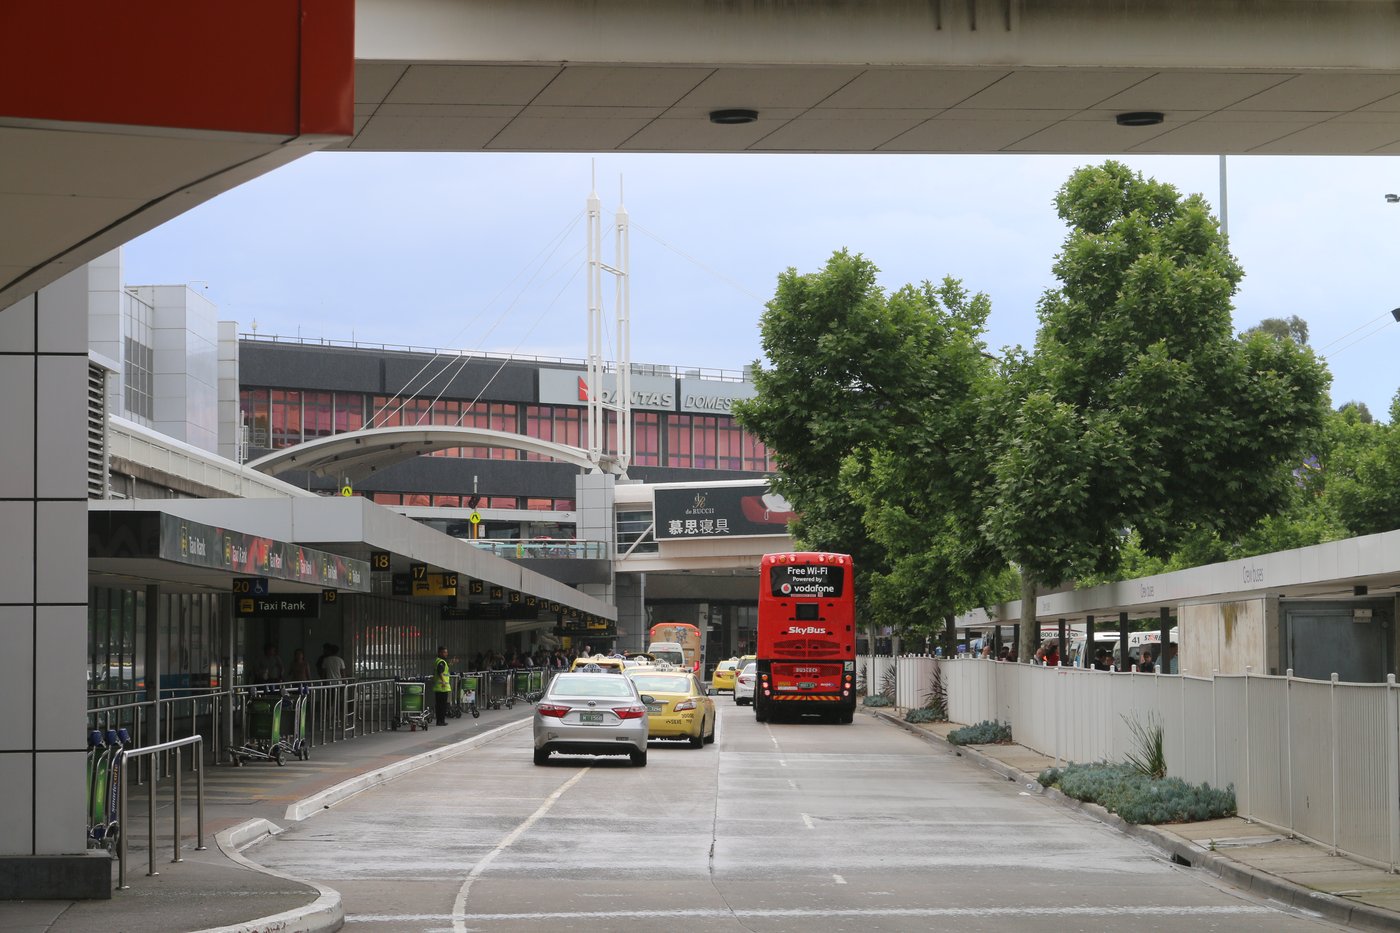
x=663 y=684
x=574 y=685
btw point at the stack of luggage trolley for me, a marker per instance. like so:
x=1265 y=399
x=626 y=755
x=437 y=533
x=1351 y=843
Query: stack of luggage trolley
x=294 y=739
x=500 y=689
x=410 y=706
x=466 y=695
x=262 y=726
x=106 y=767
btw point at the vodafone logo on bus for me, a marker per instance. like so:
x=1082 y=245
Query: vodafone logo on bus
x=786 y=589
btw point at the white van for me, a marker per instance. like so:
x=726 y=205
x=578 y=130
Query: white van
x=1136 y=640
x=669 y=651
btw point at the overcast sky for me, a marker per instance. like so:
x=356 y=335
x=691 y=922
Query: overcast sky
x=485 y=251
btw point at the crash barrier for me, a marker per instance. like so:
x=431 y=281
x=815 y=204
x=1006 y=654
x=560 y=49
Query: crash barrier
x=123 y=834
x=1316 y=758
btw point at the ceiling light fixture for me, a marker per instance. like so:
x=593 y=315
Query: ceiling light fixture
x=1139 y=118
x=733 y=117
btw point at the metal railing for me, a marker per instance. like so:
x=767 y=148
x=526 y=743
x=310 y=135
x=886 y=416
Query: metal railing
x=125 y=834
x=1319 y=759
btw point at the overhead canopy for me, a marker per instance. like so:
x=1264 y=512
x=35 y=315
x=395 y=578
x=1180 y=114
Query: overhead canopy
x=356 y=455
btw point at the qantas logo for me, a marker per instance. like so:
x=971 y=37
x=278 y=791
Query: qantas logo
x=582 y=389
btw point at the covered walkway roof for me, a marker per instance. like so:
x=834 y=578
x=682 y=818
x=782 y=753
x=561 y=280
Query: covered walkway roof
x=1330 y=570
x=356 y=455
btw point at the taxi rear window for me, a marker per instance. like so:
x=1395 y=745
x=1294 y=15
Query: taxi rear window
x=664 y=684
x=572 y=685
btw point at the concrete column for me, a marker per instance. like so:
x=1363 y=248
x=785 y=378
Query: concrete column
x=1123 y=663
x=594 y=494
x=43 y=593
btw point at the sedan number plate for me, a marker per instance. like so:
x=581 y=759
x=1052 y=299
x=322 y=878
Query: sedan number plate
x=590 y=717
x=806 y=685
x=653 y=707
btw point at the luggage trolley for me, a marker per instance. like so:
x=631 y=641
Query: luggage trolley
x=502 y=684
x=409 y=707
x=467 y=697
x=106 y=765
x=262 y=728
x=293 y=738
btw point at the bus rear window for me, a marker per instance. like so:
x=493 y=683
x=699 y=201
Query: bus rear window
x=815 y=581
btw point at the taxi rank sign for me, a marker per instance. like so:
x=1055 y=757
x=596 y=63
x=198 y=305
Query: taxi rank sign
x=288 y=606
x=817 y=581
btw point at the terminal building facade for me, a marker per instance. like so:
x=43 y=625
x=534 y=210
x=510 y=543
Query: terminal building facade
x=181 y=402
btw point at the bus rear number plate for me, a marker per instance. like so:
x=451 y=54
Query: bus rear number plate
x=806 y=685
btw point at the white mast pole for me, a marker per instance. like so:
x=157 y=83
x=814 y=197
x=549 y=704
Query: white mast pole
x=624 y=336
x=594 y=381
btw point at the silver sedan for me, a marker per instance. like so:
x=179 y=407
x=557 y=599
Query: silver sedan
x=591 y=714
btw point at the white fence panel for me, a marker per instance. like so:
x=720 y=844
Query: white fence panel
x=1364 y=747
x=1311 y=759
x=1197 y=738
x=1232 y=738
x=1266 y=741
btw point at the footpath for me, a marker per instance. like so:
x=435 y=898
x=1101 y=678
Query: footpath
x=217 y=890
x=1255 y=858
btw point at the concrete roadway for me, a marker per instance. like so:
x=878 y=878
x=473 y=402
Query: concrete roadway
x=801 y=826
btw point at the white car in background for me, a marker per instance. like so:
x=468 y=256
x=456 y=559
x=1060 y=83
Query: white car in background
x=744 y=684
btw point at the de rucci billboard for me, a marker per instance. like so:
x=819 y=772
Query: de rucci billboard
x=688 y=513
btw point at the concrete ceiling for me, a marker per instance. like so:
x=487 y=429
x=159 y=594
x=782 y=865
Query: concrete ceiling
x=1307 y=77
x=419 y=107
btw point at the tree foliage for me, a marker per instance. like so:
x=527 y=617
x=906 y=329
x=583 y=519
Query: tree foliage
x=871 y=403
x=1139 y=434
x=1291 y=328
x=1140 y=410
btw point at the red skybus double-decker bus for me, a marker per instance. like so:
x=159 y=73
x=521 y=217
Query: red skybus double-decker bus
x=806 y=636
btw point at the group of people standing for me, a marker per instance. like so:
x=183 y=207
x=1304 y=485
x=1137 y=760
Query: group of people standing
x=329 y=666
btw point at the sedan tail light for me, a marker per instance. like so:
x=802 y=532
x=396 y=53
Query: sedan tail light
x=550 y=710
x=630 y=712
x=684 y=705
x=744 y=680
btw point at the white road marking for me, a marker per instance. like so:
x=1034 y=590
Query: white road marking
x=706 y=913
x=808 y=820
x=792 y=784
x=459 y=905
x=838 y=879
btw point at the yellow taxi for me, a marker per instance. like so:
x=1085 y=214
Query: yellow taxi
x=677 y=705
x=606 y=665
x=723 y=677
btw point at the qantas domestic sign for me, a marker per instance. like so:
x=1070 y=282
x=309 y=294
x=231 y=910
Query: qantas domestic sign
x=653 y=393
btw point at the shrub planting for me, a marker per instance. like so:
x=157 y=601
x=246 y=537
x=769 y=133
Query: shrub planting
x=986 y=732
x=876 y=699
x=1137 y=798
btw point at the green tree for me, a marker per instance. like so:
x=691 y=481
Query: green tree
x=867 y=401
x=920 y=486
x=1363 y=414
x=1361 y=471
x=1283 y=328
x=1140 y=411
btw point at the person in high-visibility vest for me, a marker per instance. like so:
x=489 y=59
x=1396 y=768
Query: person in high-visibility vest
x=442 y=685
